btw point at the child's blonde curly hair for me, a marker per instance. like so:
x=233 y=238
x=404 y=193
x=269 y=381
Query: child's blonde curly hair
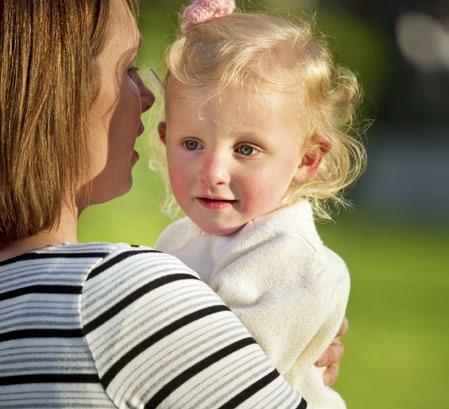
x=245 y=49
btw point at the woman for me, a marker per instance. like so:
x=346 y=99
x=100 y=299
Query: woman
x=97 y=324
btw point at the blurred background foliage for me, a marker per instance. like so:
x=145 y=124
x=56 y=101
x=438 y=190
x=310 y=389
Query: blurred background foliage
x=396 y=241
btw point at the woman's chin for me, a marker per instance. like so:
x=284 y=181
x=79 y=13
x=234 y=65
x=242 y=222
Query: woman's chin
x=104 y=194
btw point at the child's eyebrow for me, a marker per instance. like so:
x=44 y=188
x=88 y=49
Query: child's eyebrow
x=247 y=135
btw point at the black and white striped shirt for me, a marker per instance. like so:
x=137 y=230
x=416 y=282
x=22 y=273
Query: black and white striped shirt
x=114 y=326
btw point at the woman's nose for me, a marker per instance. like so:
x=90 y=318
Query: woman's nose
x=146 y=96
x=215 y=171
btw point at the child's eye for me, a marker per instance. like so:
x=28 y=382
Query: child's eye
x=246 y=150
x=191 y=145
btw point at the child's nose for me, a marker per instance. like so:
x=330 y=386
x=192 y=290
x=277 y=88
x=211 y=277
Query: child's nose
x=215 y=170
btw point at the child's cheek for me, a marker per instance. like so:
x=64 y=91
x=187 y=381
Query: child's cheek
x=265 y=192
x=259 y=190
x=180 y=183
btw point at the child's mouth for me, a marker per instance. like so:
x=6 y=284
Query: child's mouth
x=217 y=203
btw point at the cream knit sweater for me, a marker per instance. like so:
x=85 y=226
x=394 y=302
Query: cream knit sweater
x=286 y=287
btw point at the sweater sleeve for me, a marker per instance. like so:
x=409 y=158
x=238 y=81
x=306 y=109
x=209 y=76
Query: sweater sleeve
x=177 y=234
x=283 y=291
x=159 y=337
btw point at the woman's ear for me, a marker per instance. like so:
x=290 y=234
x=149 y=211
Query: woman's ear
x=311 y=159
x=162 y=130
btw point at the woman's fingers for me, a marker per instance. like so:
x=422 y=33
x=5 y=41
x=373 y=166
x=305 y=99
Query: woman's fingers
x=331 y=374
x=336 y=349
x=344 y=327
x=333 y=354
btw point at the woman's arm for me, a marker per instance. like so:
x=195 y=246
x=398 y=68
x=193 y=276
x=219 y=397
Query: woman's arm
x=161 y=338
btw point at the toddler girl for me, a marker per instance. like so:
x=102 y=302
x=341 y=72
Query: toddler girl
x=257 y=137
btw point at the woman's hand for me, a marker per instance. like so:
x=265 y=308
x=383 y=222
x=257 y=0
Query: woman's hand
x=332 y=356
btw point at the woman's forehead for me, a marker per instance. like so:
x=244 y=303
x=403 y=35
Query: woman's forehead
x=124 y=31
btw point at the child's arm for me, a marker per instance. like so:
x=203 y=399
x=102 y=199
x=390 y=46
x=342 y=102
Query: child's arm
x=288 y=295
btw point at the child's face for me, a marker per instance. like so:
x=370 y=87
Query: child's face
x=230 y=159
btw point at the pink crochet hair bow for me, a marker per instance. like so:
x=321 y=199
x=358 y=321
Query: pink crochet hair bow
x=201 y=11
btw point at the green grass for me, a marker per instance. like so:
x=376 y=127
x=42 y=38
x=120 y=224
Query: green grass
x=398 y=311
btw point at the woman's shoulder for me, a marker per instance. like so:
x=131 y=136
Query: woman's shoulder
x=129 y=258
x=130 y=273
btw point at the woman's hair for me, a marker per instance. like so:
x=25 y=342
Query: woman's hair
x=48 y=81
x=267 y=52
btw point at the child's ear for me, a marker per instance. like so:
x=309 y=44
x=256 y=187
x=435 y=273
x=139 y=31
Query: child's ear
x=162 y=130
x=311 y=159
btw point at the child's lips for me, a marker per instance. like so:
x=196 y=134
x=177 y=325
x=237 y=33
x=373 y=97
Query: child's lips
x=215 y=202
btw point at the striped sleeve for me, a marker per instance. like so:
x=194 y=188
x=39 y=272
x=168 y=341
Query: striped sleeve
x=160 y=338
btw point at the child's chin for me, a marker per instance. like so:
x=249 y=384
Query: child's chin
x=220 y=230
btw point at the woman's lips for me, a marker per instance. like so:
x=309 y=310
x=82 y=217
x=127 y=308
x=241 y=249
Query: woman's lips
x=141 y=129
x=219 y=203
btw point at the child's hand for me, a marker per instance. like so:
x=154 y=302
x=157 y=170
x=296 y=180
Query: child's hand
x=332 y=356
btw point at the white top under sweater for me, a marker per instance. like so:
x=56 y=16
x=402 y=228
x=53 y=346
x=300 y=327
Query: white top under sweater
x=288 y=289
